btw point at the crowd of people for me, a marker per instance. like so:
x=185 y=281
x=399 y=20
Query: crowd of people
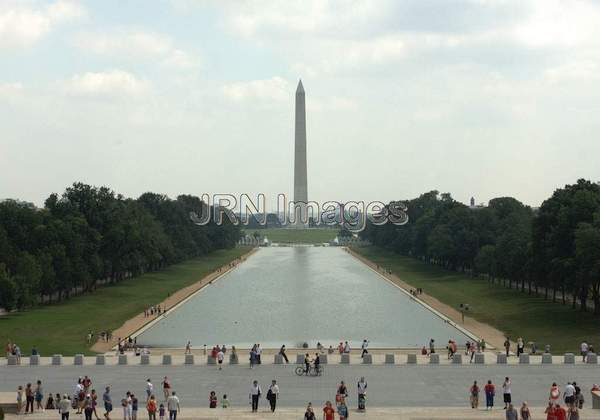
x=572 y=400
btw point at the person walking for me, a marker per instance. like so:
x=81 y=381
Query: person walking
x=362 y=393
x=511 y=413
x=212 y=400
x=554 y=393
x=166 y=384
x=474 y=395
x=282 y=353
x=342 y=409
x=173 y=406
x=107 y=403
x=573 y=413
x=273 y=395
x=569 y=395
x=309 y=414
x=520 y=346
x=254 y=395
x=220 y=358
x=507 y=392
x=64 y=407
x=151 y=407
x=149 y=389
x=328 y=411
x=364 y=347
x=490 y=391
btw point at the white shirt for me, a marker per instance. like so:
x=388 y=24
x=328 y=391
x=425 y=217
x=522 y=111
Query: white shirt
x=173 y=403
x=149 y=387
x=255 y=390
x=569 y=390
x=274 y=389
x=584 y=347
x=347 y=348
x=365 y=345
x=220 y=356
x=506 y=387
x=362 y=387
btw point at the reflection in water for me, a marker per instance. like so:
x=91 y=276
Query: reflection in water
x=295 y=295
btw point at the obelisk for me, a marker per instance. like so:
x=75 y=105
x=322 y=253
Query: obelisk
x=300 y=182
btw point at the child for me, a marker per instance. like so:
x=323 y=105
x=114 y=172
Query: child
x=161 y=412
x=50 y=402
x=212 y=400
x=19 y=399
x=224 y=401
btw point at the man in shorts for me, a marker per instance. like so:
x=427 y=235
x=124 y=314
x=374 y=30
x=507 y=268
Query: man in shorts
x=220 y=358
x=107 y=403
x=507 y=391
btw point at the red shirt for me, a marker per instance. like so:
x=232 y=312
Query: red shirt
x=561 y=414
x=329 y=413
x=490 y=388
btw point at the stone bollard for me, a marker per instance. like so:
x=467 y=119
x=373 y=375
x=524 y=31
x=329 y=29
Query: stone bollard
x=233 y=359
x=211 y=360
x=122 y=359
x=591 y=359
x=323 y=359
x=412 y=359
x=434 y=359
x=479 y=359
x=11 y=360
x=367 y=359
x=546 y=359
x=345 y=359
x=569 y=359
x=457 y=359
x=189 y=359
x=78 y=360
x=299 y=359
x=34 y=360
x=57 y=360
x=501 y=359
x=167 y=360
x=390 y=359
x=278 y=359
x=523 y=359
x=100 y=359
x=145 y=359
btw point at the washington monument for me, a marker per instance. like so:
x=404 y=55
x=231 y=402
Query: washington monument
x=300 y=183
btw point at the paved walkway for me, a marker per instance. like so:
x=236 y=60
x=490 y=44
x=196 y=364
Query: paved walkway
x=389 y=386
x=134 y=324
x=492 y=336
x=443 y=413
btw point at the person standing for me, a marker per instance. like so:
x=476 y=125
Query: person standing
x=107 y=403
x=309 y=414
x=511 y=413
x=212 y=400
x=152 y=408
x=19 y=399
x=220 y=358
x=273 y=395
x=490 y=391
x=364 y=348
x=64 y=407
x=507 y=346
x=431 y=346
x=282 y=353
x=328 y=411
x=29 y=398
x=520 y=346
x=573 y=413
x=173 y=406
x=569 y=395
x=554 y=393
x=258 y=354
x=560 y=413
x=474 y=395
x=342 y=409
x=254 y=395
x=584 y=348
x=362 y=393
x=188 y=348
x=507 y=392
x=39 y=396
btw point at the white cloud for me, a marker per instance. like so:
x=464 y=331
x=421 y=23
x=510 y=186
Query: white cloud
x=273 y=89
x=108 y=83
x=138 y=44
x=22 y=26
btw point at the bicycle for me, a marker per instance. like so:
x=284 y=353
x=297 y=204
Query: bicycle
x=312 y=370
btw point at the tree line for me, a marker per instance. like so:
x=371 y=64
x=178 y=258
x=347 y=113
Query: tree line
x=91 y=235
x=553 y=250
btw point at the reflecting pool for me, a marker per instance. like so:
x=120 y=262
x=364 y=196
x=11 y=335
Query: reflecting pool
x=294 y=295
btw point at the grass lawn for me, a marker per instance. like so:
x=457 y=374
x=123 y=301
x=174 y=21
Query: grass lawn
x=511 y=311
x=62 y=328
x=307 y=236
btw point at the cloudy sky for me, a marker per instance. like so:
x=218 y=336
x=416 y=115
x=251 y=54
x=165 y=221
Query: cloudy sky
x=477 y=98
